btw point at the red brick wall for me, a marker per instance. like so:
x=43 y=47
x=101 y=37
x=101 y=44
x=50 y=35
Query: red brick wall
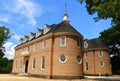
x=94 y=60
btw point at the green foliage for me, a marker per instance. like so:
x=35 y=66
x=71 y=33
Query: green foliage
x=4 y=34
x=104 y=9
x=5 y=63
x=111 y=37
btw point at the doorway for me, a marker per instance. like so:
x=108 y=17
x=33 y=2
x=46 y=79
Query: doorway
x=26 y=66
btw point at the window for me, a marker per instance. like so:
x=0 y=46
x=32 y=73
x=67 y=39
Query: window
x=16 y=65
x=43 y=63
x=20 y=63
x=86 y=54
x=79 y=59
x=63 y=41
x=33 y=64
x=78 y=42
x=28 y=48
x=100 y=53
x=34 y=47
x=85 y=44
x=62 y=58
x=86 y=66
x=44 y=44
x=101 y=64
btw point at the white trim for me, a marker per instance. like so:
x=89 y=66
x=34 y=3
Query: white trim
x=34 y=47
x=85 y=44
x=61 y=41
x=86 y=54
x=41 y=63
x=101 y=53
x=60 y=58
x=80 y=60
x=100 y=64
x=44 y=44
x=32 y=63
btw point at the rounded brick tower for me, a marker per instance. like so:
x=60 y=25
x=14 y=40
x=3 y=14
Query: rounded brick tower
x=67 y=51
x=96 y=59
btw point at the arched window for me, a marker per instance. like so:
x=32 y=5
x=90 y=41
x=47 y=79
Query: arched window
x=87 y=66
x=100 y=53
x=78 y=42
x=33 y=64
x=43 y=63
x=63 y=41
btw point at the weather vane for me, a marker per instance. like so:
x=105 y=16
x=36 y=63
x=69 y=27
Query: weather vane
x=65 y=8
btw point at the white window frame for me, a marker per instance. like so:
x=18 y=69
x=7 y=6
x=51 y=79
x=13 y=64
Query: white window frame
x=61 y=41
x=86 y=54
x=100 y=64
x=60 y=58
x=42 y=62
x=85 y=44
x=80 y=61
x=20 y=64
x=33 y=63
x=34 y=47
x=43 y=44
x=100 y=53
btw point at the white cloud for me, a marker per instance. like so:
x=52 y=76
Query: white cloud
x=4 y=18
x=9 y=50
x=24 y=8
x=16 y=36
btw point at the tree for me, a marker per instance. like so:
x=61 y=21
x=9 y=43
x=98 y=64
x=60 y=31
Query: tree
x=104 y=8
x=111 y=37
x=4 y=35
x=5 y=63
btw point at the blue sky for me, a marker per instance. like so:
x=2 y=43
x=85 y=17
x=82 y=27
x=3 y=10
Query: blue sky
x=25 y=16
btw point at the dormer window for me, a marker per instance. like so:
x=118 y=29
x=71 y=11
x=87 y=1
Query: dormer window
x=25 y=39
x=32 y=35
x=21 y=40
x=38 y=32
x=85 y=44
x=46 y=28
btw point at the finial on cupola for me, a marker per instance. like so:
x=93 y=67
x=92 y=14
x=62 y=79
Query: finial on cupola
x=65 y=17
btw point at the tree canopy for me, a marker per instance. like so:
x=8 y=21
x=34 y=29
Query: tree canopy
x=5 y=63
x=111 y=37
x=104 y=9
x=4 y=34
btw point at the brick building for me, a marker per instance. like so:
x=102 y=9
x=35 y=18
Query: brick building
x=59 y=51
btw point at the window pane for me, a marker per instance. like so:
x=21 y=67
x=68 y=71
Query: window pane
x=86 y=66
x=63 y=41
x=79 y=59
x=78 y=42
x=62 y=58
x=43 y=62
x=33 y=63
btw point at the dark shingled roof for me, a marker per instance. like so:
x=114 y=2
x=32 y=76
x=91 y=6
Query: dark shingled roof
x=63 y=27
x=95 y=44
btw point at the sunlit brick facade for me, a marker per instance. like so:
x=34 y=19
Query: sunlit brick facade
x=57 y=51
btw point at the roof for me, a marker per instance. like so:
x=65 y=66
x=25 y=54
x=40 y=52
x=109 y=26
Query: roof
x=95 y=44
x=63 y=27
